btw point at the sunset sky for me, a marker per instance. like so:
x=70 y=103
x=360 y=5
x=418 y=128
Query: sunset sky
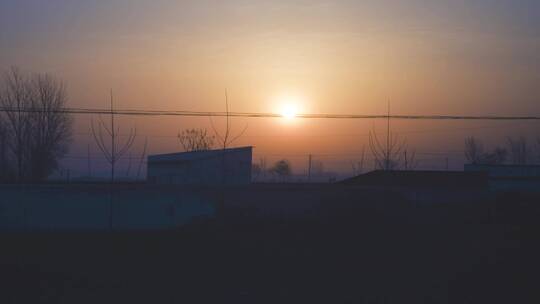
x=425 y=57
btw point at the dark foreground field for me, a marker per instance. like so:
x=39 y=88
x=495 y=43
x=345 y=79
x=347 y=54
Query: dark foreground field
x=396 y=252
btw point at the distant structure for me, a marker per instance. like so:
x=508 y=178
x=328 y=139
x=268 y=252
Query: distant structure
x=420 y=179
x=506 y=171
x=510 y=177
x=202 y=168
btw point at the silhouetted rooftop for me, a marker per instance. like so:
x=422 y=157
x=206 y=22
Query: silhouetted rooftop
x=450 y=179
x=195 y=155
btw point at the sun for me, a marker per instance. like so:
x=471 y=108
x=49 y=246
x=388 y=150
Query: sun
x=288 y=106
x=289 y=110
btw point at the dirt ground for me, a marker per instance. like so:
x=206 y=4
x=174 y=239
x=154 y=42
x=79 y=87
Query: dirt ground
x=387 y=251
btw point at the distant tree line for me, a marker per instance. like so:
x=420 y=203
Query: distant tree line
x=282 y=170
x=34 y=132
x=516 y=151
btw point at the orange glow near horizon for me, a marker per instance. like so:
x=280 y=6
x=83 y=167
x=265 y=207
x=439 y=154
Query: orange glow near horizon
x=288 y=58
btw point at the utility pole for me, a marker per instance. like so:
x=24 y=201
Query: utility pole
x=113 y=135
x=309 y=167
x=262 y=164
x=406 y=160
x=387 y=163
x=113 y=163
x=361 y=164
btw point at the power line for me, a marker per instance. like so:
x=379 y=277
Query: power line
x=257 y=155
x=132 y=112
x=330 y=134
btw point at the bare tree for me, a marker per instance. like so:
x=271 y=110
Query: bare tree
x=225 y=139
x=538 y=148
x=38 y=130
x=5 y=167
x=259 y=170
x=128 y=169
x=256 y=171
x=387 y=156
x=474 y=153
x=196 y=140
x=16 y=99
x=474 y=150
x=51 y=133
x=409 y=160
x=262 y=164
x=143 y=155
x=112 y=152
x=391 y=154
x=497 y=157
x=282 y=169
x=358 y=167
x=520 y=151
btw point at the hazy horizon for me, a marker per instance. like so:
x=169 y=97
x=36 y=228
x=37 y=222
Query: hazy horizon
x=342 y=57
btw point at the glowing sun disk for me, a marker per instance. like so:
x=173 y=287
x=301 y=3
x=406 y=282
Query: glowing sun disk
x=289 y=111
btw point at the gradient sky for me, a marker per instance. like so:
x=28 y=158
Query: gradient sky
x=427 y=57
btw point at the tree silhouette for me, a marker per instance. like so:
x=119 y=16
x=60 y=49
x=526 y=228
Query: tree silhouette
x=225 y=138
x=474 y=153
x=358 y=167
x=409 y=160
x=538 y=148
x=386 y=156
x=520 y=151
x=282 y=168
x=256 y=171
x=141 y=160
x=195 y=140
x=113 y=152
x=474 y=150
x=4 y=163
x=37 y=130
x=392 y=154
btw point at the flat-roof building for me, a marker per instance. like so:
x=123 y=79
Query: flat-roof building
x=202 y=168
x=524 y=178
x=420 y=179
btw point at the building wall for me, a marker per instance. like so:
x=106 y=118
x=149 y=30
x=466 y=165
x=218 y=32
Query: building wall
x=88 y=207
x=519 y=185
x=228 y=168
x=510 y=177
x=506 y=170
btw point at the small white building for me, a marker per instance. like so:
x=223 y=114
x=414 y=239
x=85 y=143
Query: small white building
x=202 y=168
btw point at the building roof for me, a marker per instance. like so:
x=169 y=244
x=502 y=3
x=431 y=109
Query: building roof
x=195 y=155
x=452 y=179
x=506 y=171
x=502 y=166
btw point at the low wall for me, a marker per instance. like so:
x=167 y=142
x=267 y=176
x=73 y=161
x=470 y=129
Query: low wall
x=92 y=207
x=526 y=185
x=148 y=207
